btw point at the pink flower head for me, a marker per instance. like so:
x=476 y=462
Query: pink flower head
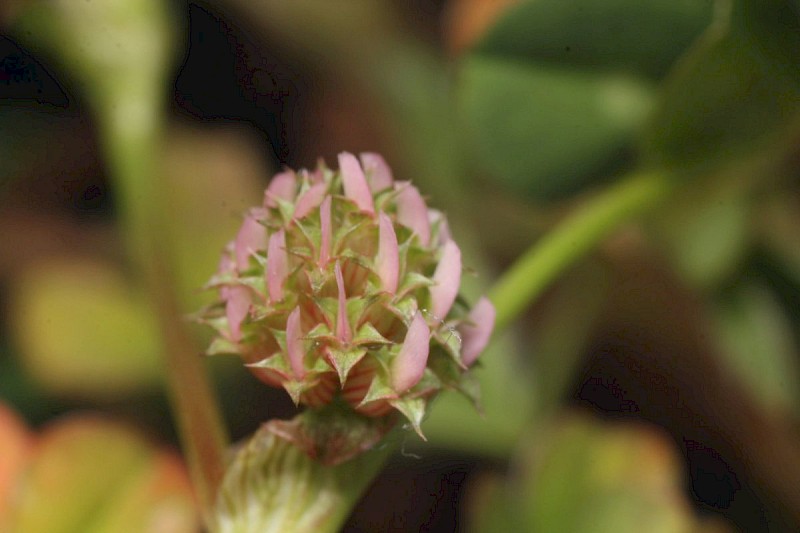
x=343 y=289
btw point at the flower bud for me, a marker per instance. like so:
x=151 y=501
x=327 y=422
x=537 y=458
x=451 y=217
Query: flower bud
x=343 y=288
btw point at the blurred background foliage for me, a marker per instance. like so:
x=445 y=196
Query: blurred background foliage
x=652 y=387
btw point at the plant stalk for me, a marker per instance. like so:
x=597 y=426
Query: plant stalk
x=579 y=233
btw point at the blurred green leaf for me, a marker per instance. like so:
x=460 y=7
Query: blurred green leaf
x=83 y=331
x=211 y=177
x=736 y=92
x=758 y=340
x=565 y=322
x=777 y=231
x=89 y=474
x=543 y=130
x=587 y=476
x=557 y=91
x=642 y=38
x=707 y=232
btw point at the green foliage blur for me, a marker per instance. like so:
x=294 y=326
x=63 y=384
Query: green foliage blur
x=653 y=386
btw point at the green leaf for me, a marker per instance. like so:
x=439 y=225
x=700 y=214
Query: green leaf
x=84 y=331
x=737 y=91
x=617 y=35
x=217 y=174
x=706 y=232
x=586 y=476
x=557 y=91
x=543 y=130
x=759 y=344
x=564 y=326
x=778 y=219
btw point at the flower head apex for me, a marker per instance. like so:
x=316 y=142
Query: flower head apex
x=342 y=288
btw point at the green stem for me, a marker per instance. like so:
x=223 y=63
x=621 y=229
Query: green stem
x=133 y=154
x=121 y=54
x=574 y=237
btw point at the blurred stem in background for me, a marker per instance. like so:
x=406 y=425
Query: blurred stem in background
x=120 y=54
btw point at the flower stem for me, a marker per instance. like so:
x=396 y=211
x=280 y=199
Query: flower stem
x=578 y=234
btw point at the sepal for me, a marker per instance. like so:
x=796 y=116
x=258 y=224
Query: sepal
x=414 y=411
x=380 y=388
x=343 y=360
x=221 y=345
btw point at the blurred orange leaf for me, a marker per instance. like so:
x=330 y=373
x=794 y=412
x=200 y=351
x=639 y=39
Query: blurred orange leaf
x=467 y=20
x=87 y=473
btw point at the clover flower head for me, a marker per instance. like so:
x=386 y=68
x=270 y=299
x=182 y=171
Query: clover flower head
x=343 y=288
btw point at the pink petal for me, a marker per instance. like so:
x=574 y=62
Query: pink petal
x=437 y=219
x=412 y=211
x=343 y=332
x=409 y=365
x=277 y=265
x=447 y=279
x=325 y=226
x=379 y=175
x=387 y=262
x=310 y=200
x=227 y=265
x=252 y=236
x=236 y=309
x=316 y=175
x=475 y=334
x=355 y=183
x=282 y=186
x=294 y=344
